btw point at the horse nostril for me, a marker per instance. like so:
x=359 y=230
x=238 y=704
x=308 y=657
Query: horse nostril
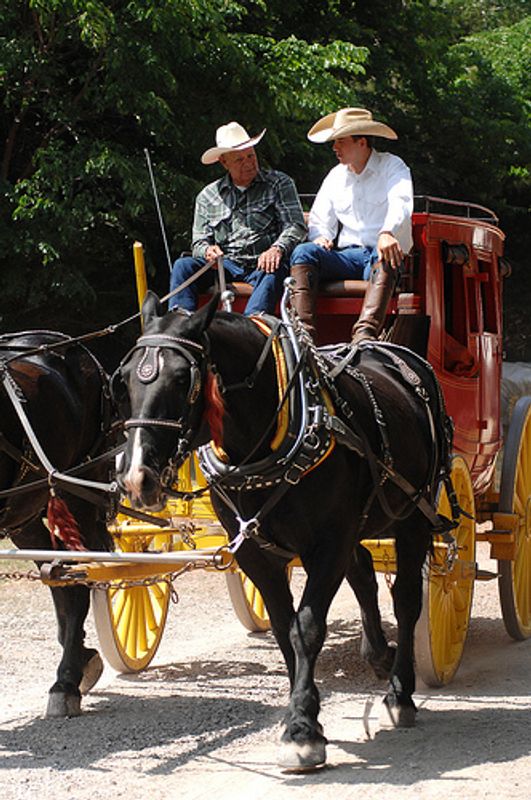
x=141 y=485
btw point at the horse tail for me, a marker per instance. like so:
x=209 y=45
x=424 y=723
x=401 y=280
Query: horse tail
x=214 y=408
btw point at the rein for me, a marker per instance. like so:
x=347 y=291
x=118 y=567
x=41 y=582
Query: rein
x=65 y=340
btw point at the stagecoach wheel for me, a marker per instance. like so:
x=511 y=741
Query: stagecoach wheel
x=448 y=588
x=247 y=601
x=514 y=580
x=130 y=621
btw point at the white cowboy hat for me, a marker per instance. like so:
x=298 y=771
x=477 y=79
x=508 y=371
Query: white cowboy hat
x=229 y=137
x=348 y=122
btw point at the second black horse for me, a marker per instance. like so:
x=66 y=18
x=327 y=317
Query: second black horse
x=62 y=391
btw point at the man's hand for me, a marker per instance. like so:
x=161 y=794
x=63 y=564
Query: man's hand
x=322 y=241
x=389 y=250
x=212 y=252
x=269 y=260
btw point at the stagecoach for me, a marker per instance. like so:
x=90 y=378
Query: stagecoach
x=449 y=308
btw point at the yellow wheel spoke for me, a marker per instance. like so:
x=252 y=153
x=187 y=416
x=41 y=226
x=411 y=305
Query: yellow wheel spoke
x=443 y=625
x=131 y=632
x=133 y=619
x=121 y=602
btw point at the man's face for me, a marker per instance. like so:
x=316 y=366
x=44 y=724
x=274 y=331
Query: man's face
x=242 y=166
x=349 y=149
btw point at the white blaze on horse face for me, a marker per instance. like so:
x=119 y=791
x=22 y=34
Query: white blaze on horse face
x=135 y=474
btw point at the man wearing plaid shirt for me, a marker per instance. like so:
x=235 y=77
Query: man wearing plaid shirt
x=251 y=217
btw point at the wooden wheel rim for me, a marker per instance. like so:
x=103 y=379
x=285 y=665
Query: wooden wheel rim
x=247 y=601
x=515 y=497
x=130 y=622
x=442 y=628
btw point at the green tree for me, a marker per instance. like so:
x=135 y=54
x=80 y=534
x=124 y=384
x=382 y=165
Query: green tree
x=87 y=86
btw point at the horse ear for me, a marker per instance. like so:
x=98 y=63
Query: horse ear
x=204 y=316
x=151 y=307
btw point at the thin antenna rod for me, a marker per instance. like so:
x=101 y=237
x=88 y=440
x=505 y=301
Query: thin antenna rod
x=157 y=204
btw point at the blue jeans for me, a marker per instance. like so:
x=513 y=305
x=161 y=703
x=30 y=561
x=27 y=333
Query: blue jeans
x=350 y=262
x=266 y=292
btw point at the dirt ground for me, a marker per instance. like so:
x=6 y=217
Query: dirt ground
x=203 y=721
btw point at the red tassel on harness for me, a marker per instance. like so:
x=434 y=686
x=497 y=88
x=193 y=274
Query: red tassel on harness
x=214 y=408
x=62 y=525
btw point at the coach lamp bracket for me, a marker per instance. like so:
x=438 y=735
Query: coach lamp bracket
x=504 y=265
x=455 y=254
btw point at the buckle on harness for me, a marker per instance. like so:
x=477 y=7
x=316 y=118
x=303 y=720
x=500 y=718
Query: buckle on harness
x=248 y=527
x=294 y=474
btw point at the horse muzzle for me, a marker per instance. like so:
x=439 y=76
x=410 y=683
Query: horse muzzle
x=142 y=486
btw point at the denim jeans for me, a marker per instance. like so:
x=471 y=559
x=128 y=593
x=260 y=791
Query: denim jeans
x=350 y=262
x=267 y=286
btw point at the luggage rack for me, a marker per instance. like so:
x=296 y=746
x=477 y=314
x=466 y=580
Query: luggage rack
x=427 y=204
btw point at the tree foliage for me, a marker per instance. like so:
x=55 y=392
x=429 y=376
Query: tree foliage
x=87 y=86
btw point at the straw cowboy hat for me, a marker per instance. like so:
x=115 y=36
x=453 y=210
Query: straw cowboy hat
x=230 y=137
x=348 y=122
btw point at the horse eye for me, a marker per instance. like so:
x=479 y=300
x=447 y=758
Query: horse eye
x=181 y=378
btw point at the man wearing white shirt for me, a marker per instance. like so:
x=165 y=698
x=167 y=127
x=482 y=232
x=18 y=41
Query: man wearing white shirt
x=360 y=221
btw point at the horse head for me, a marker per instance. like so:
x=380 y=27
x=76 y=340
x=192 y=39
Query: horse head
x=162 y=378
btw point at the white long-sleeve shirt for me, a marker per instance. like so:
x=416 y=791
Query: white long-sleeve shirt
x=378 y=199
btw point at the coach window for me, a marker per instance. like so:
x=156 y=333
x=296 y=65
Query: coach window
x=487 y=282
x=472 y=303
x=460 y=311
x=454 y=302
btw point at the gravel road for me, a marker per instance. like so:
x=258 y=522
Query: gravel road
x=203 y=721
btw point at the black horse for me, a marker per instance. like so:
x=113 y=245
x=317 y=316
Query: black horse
x=63 y=393
x=369 y=465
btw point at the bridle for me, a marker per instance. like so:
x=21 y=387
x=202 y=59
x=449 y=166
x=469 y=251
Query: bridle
x=148 y=370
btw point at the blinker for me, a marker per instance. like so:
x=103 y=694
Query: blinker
x=148 y=367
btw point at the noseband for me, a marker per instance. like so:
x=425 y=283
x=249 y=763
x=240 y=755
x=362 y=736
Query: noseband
x=148 y=370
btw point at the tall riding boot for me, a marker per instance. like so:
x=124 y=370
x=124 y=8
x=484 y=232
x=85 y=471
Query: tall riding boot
x=304 y=295
x=371 y=320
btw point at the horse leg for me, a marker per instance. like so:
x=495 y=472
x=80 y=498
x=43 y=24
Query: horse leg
x=269 y=575
x=374 y=646
x=80 y=667
x=303 y=744
x=413 y=540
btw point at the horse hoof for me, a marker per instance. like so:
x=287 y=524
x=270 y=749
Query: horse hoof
x=63 y=705
x=302 y=757
x=400 y=716
x=91 y=673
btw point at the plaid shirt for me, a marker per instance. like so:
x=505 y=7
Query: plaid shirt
x=246 y=223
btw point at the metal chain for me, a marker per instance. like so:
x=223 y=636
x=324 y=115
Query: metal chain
x=79 y=580
x=30 y=575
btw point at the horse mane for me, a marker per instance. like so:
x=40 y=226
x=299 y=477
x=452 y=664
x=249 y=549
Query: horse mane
x=214 y=408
